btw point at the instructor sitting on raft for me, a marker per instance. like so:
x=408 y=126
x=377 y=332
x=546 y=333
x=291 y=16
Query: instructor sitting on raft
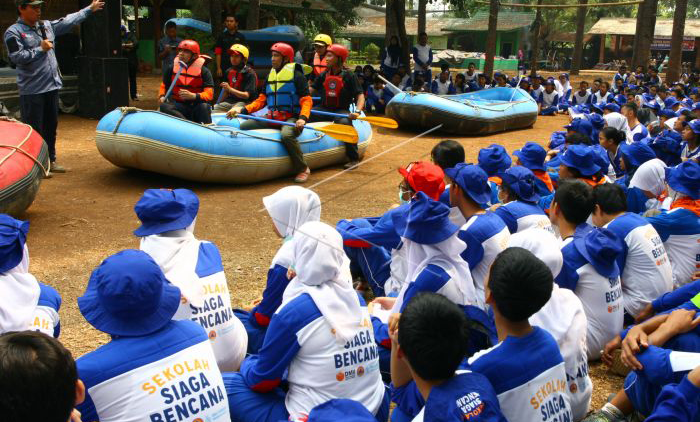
x=338 y=87
x=287 y=98
x=193 y=85
x=241 y=80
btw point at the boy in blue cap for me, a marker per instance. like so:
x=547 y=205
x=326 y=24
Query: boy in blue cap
x=153 y=367
x=519 y=198
x=494 y=160
x=532 y=156
x=429 y=342
x=679 y=228
x=167 y=235
x=548 y=100
x=590 y=263
x=527 y=360
x=484 y=233
x=25 y=303
x=691 y=136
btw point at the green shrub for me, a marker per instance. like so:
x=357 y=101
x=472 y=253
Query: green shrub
x=372 y=52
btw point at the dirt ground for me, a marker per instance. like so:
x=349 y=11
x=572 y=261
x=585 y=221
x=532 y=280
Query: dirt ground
x=81 y=217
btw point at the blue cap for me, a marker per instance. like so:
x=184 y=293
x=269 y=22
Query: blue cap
x=668 y=113
x=612 y=107
x=633 y=87
x=696 y=106
x=601 y=248
x=694 y=125
x=637 y=153
x=460 y=398
x=582 y=126
x=13 y=235
x=685 y=178
x=598 y=107
x=650 y=103
x=164 y=210
x=345 y=410
x=521 y=181
x=128 y=295
x=582 y=158
x=581 y=109
x=597 y=121
x=620 y=99
x=549 y=81
x=531 y=156
x=688 y=102
x=601 y=157
x=494 y=159
x=473 y=180
x=671 y=102
x=427 y=222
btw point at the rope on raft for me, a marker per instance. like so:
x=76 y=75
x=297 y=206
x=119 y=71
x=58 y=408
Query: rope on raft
x=16 y=148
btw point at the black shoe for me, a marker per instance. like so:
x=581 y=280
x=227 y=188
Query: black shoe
x=351 y=165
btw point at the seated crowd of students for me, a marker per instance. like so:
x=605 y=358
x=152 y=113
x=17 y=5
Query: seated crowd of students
x=492 y=286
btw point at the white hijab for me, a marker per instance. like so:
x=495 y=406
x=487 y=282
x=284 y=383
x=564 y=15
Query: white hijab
x=290 y=208
x=323 y=271
x=19 y=296
x=650 y=176
x=617 y=120
x=176 y=253
x=445 y=254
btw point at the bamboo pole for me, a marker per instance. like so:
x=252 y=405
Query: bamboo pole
x=564 y=6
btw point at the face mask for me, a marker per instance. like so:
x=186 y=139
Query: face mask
x=401 y=195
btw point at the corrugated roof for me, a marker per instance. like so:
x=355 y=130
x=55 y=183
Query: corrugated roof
x=628 y=26
x=507 y=21
x=569 y=37
x=375 y=26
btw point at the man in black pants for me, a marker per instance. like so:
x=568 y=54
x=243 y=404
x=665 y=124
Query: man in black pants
x=338 y=88
x=30 y=44
x=129 y=46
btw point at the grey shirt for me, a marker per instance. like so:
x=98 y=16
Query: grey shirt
x=37 y=70
x=173 y=43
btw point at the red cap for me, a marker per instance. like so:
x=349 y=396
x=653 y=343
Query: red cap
x=425 y=177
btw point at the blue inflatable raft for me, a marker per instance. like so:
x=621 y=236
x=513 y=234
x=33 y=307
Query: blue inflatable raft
x=153 y=141
x=476 y=113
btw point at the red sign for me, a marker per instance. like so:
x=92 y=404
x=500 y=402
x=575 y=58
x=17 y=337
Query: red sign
x=664 y=43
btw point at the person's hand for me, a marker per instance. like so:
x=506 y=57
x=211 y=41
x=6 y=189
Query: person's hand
x=612 y=345
x=394 y=324
x=75 y=416
x=353 y=116
x=97 y=5
x=219 y=72
x=249 y=307
x=681 y=321
x=161 y=100
x=385 y=302
x=394 y=334
x=46 y=45
x=631 y=345
x=235 y=111
x=291 y=273
x=645 y=314
x=300 y=124
x=694 y=376
x=187 y=95
x=494 y=207
x=167 y=48
x=224 y=85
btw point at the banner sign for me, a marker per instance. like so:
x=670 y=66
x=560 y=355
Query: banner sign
x=664 y=43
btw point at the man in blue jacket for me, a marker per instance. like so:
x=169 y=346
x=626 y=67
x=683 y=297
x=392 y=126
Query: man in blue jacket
x=30 y=45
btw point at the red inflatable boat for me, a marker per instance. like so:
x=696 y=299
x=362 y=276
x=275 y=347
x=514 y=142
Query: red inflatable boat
x=24 y=158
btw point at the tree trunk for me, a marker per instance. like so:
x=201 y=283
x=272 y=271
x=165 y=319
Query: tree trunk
x=578 y=44
x=534 y=57
x=422 y=5
x=157 y=30
x=646 y=22
x=396 y=25
x=215 y=17
x=676 y=55
x=491 y=38
x=253 y=15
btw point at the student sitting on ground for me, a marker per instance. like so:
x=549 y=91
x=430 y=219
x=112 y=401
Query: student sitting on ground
x=193 y=266
x=461 y=85
x=548 y=100
x=429 y=342
x=442 y=84
x=153 y=367
x=39 y=380
x=289 y=208
x=318 y=337
x=645 y=269
x=527 y=359
x=494 y=160
x=590 y=263
x=611 y=139
x=532 y=156
x=377 y=97
x=519 y=199
x=25 y=304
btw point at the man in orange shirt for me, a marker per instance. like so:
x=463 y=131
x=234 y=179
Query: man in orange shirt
x=193 y=89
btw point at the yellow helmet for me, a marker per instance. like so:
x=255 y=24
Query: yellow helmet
x=323 y=38
x=240 y=49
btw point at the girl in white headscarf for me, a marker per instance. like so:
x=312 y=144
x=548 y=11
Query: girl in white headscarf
x=647 y=186
x=289 y=208
x=563 y=317
x=25 y=304
x=616 y=120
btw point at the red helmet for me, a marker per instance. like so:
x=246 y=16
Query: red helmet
x=339 y=51
x=189 y=45
x=284 y=49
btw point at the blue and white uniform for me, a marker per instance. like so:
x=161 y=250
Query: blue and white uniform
x=485 y=235
x=578 y=99
x=637 y=133
x=45 y=318
x=423 y=58
x=170 y=375
x=549 y=102
x=528 y=376
x=687 y=153
x=601 y=295
x=442 y=88
x=645 y=268
x=599 y=97
x=520 y=215
x=679 y=229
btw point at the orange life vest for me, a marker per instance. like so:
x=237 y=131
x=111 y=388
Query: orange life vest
x=190 y=77
x=319 y=64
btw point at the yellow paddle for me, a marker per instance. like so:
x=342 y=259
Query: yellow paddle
x=343 y=133
x=375 y=120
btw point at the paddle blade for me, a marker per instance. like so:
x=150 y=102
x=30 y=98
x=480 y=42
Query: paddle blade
x=343 y=133
x=381 y=121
